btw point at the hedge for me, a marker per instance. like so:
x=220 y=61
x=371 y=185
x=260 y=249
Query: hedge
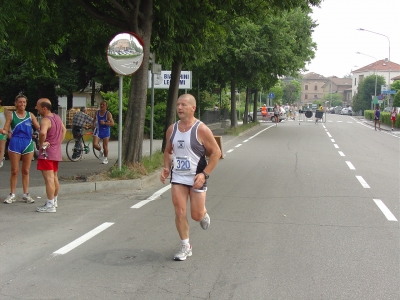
x=385 y=118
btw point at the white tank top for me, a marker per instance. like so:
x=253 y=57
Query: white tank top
x=188 y=157
x=2 y=117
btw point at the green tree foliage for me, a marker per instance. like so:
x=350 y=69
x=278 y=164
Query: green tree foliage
x=366 y=89
x=334 y=99
x=395 y=85
x=291 y=91
x=396 y=99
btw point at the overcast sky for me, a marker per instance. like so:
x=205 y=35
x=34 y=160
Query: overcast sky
x=338 y=39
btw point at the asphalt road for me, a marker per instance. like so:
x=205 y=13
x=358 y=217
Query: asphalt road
x=297 y=212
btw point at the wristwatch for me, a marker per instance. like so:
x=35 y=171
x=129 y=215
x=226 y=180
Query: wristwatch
x=206 y=176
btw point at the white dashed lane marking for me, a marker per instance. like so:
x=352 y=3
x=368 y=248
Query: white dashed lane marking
x=388 y=214
x=82 y=239
x=341 y=153
x=363 y=182
x=350 y=165
x=152 y=197
x=336 y=146
x=329 y=134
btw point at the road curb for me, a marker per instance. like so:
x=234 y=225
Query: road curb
x=87 y=187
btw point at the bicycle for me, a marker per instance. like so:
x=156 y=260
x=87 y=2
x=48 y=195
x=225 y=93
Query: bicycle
x=76 y=147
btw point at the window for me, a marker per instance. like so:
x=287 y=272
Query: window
x=306 y=96
x=306 y=87
x=355 y=81
x=315 y=88
x=315 y=96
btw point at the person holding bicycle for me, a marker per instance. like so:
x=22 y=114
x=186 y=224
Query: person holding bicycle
x=102 y=122
x=79 y=121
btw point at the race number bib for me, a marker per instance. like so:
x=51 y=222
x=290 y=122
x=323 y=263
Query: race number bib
x=182 y=164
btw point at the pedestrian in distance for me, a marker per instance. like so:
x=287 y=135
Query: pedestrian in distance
x=377 y=117
x=79 y=121
x=52 y=133
x=3 y=137
x=393 y=116
x=20 y=147
x=102 y=122
x=185 y=161
x=276 y=114
x=264 y=112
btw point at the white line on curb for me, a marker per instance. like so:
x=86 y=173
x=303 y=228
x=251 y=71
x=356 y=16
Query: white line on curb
x=388 y=214
x=82 y=239
x=363 y=182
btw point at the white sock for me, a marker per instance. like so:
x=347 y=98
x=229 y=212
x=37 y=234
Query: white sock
x=55 y=198
x=186 y=243
x=50 y=203
x=24 y=195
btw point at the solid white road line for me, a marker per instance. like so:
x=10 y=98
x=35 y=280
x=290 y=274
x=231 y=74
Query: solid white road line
x=82 y=239
x=328 y=134
x=152 y=197
x=350 y=165
x=388 y=214
x=363 y=182
x=336 y=146
x=341 y=153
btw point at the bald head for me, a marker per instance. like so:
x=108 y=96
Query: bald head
x=190 y=99
x=44 y=102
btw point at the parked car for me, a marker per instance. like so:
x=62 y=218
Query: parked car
x=346 y=111
x=387 y=109
x=270 y=115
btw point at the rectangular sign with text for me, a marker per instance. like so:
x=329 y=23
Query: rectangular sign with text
x=161 y=81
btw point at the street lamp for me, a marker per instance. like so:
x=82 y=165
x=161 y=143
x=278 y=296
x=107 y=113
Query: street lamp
x=376 y=65
x=362 y=29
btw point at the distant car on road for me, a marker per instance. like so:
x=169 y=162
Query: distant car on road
x=346 y=111
x=270 y=115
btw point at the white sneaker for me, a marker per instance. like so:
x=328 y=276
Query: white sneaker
x=46 y=209
x=205 y=222
x=27 y=198
x=105 y=161
x=183 y=253
x=55 y=203
x=2 y=161
x=10 y=199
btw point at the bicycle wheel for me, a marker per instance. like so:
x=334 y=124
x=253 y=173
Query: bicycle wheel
x=74 y=153
x=97 y=152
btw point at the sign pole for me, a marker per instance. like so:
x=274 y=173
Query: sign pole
x=120 y=122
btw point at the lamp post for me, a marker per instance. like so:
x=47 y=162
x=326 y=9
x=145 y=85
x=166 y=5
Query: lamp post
x=376 y=65
x=362 y=29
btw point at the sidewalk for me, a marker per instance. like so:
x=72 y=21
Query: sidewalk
x=384 y=127
x=73 y=175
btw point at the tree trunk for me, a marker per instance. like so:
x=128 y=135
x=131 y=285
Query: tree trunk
x=172 y=97
x=93 y=92
x=233 y=103
x=246 y=106
x=132 y=141
x=255 y=106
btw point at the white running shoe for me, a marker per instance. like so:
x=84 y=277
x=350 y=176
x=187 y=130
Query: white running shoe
x=205 y=222
x=27 y=198
x=105 y=161
x=2 y=161
x=183 y=253
x=46 y=209
x=10 y=199
x=55 y=203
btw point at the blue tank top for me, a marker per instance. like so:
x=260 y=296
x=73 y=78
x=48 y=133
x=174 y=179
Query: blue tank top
x=103 y=129
x=21 y=127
